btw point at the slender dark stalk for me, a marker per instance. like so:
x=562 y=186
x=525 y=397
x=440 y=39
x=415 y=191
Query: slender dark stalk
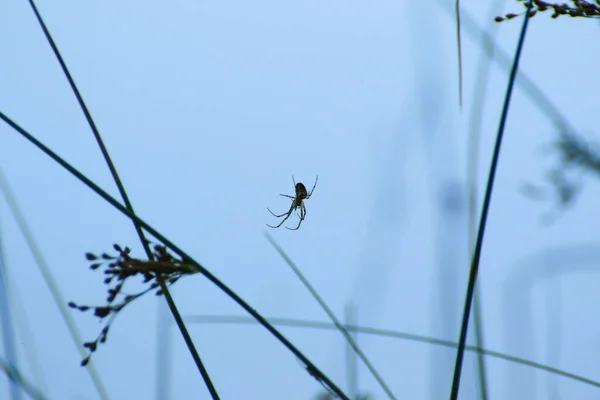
x=188 y=340
x=123 y=193
x=88 y=117
x=484 y=213
x=85 y=180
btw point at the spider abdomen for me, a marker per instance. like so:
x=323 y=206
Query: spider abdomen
x=301 y=192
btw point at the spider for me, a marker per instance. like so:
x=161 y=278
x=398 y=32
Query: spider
x=297 y=202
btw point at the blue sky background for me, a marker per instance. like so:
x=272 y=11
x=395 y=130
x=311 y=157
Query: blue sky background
x=208 y=109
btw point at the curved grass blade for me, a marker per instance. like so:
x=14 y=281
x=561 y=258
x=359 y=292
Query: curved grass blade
x=296 y=323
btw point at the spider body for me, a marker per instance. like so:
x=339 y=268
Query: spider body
x=301 y=192
x=297 y=202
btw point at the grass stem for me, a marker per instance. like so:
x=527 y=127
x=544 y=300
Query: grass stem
x=332 y=316
x=484 y=214
x=125 y=197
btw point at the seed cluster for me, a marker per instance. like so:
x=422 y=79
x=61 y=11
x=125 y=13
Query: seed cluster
x=118 y=268
x=580 y=8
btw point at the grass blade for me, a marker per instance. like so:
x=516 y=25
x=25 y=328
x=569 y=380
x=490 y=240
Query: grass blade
x=459 y=49
x=123 y=193
x=42 y=265
x=484 y=213
x=16 y=378
x=296 y=323
x=473 y=143
x=534 y=92
x=332 y=316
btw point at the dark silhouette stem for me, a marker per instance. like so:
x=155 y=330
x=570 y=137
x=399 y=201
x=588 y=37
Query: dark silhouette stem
x=123 y=193
x=484 y=214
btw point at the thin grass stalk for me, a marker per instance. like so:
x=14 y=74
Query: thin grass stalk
x=24 y=332
x=312 y=369
x=91 y=123
x=459 y=49
x=188 y=340
x=49 y=280
x=481 y=368
x=296 y=323
x=17 y=379
x=484 y=213
x=332 y=316
x=7 y=325
x=123 y=193
x=351 y=364
x=163 y=367
x=554 y=335
x=534 y=92
x=474 y=135
x=539 y=99
x=42 y=265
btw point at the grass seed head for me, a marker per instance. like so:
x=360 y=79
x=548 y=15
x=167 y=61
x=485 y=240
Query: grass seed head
x=577 y=8
x=119 y=268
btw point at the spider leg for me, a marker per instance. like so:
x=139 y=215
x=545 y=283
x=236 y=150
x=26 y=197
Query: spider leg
x=301 y=216
x=283 y=220
x=275 y=215
x=286 y=195
x=302 y=211
x=296 y=228
x=313 y=188
x=293 y=180
x=281 y=223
